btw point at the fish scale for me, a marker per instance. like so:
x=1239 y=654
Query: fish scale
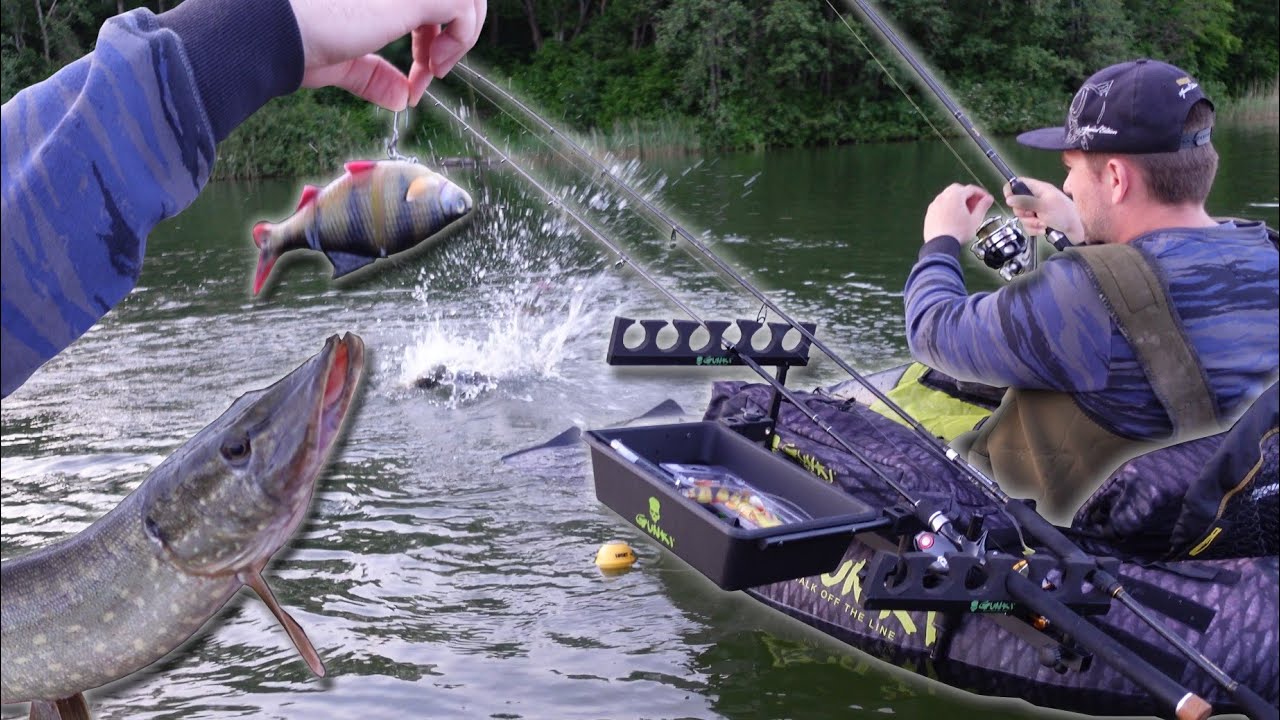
x=108 y=623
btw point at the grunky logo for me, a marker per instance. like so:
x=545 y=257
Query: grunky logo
x=649 y=523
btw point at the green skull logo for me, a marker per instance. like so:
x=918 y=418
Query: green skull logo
x=655 y=509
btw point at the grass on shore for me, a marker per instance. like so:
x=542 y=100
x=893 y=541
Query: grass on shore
x=1259 y=106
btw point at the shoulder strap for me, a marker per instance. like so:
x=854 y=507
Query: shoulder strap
x=1139 y=303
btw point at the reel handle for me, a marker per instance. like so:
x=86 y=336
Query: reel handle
x=1057 y=238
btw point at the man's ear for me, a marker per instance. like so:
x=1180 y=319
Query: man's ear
x=1123 y=180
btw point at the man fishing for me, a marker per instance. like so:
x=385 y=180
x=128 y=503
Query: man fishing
x=106 y=148
x=1159 y=326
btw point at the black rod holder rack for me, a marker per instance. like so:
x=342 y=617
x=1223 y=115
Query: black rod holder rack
x=712 y=352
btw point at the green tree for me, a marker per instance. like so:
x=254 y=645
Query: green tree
x=706 y=43
x=752 y=73
x=1256 y=60
x=1195 y=36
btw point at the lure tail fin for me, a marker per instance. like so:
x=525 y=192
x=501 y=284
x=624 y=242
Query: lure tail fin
x=261 y=232
x=266 y=261
x=68 y=708
x=308 y=652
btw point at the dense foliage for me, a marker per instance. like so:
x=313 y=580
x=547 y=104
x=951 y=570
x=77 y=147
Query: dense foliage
x=743 y=73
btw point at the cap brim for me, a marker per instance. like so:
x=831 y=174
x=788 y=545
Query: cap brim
x=1050 y=138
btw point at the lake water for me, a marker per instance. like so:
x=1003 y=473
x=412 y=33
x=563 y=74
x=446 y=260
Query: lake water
x=435 y=580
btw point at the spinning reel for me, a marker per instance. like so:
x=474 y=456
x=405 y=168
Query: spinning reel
x=1003 y=246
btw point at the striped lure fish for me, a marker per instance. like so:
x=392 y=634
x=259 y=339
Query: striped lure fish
x=733 y=504
x=375 y=209
x=137 y=583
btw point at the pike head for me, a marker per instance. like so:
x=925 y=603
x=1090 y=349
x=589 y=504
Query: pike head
x=238 y=489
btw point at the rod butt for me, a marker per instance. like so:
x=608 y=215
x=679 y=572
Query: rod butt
x=1193 y=707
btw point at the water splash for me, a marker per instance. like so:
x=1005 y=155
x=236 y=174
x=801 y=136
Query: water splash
x=504 y=310
x=462 y=359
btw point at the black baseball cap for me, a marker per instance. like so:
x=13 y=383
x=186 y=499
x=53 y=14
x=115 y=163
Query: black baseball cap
x=1132 y=108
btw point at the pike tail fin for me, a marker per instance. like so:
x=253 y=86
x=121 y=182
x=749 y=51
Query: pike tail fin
x=68 y=708
x=308 y=652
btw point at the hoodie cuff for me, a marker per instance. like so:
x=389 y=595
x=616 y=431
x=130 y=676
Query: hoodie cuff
x=242 y=54
x=941 y=244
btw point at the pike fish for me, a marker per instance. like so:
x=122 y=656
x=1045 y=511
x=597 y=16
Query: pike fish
x=375 y=209
x=146 y=576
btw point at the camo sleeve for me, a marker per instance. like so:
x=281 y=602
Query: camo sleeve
x=1048 y=330
x=98 y=154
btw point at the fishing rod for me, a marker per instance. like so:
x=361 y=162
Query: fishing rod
x=1022 y=513
x=928 y=515
x=677 y=229
x=1185 y=704
x=1001 y=244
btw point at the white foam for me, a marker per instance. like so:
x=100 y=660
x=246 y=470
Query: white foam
x=527 y=340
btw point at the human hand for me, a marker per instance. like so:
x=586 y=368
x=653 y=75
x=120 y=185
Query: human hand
x=958 y=211
x=1046 y=207
x=340 y=37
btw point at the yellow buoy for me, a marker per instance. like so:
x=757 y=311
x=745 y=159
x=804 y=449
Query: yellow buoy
x=615 y=556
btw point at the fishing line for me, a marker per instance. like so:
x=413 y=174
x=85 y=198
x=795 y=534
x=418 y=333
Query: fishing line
x=906 y=95
x=570 y=159
x=1034 y=257
x=677 y=229
x=937 y=521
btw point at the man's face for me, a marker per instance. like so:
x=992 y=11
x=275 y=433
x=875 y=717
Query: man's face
x=1091 y=196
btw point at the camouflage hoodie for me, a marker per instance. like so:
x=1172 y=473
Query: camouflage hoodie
x=1050 y=330
x=112 y=144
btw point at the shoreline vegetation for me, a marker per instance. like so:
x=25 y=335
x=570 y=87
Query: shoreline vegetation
x=260 y=149
x=667 y=77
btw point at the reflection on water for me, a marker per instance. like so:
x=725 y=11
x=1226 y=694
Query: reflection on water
x=435 y=580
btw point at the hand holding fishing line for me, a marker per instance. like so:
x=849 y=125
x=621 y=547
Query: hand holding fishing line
x=1046 y=207
x=957 y=211
x=340 y=40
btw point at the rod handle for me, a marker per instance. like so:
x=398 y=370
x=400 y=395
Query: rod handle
x=1167 y=692
x=1193 y=707
x=1057 y=238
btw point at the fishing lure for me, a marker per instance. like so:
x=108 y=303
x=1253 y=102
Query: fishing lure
x=375 y=209
x=746 y=507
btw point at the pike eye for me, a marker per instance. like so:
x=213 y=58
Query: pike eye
x=152 y=528
x=236 y=450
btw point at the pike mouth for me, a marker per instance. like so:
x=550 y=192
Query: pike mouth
x=345 y=368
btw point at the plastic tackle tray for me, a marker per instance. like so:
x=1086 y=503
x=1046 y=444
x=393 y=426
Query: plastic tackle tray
x=732 y=557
